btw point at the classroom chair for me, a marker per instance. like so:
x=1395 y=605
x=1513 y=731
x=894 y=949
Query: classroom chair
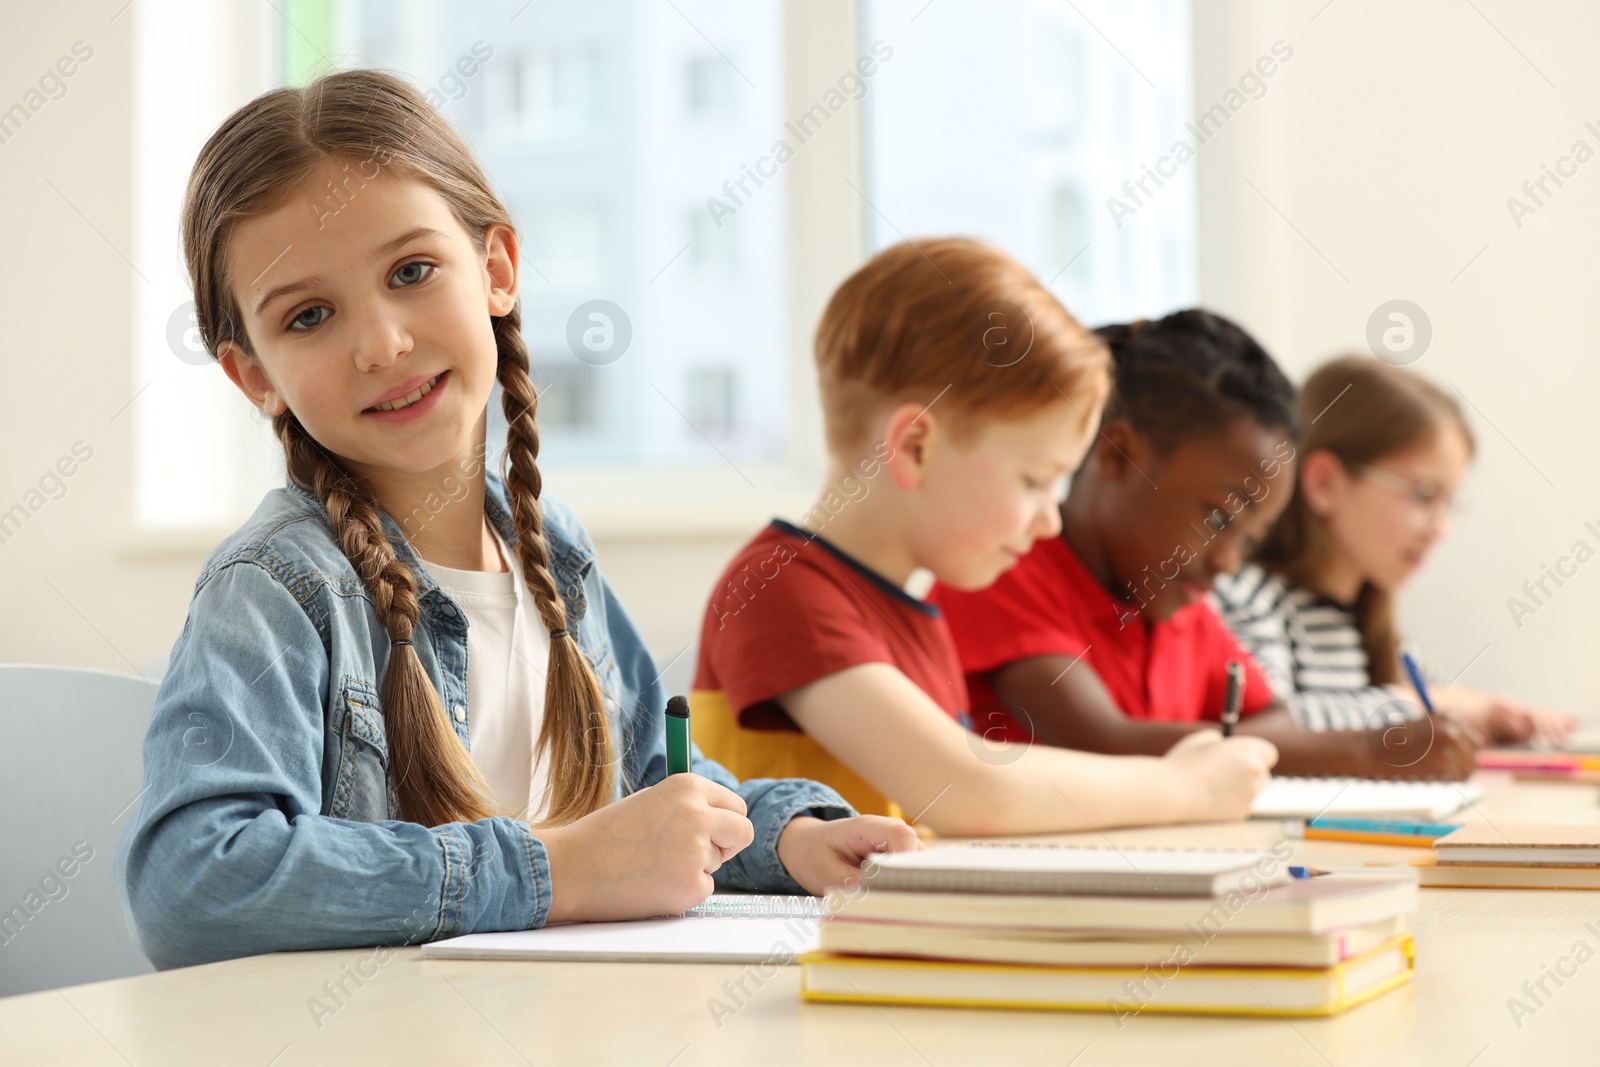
x=71 y=773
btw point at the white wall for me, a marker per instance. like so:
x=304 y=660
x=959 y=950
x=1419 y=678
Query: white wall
x=69 y=594
x=1391 y=141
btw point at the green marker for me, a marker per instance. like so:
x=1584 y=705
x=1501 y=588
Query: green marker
x=678 y=735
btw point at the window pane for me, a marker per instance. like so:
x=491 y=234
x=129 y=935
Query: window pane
x=622 y=137
x=203 y=455
x=1018 y=121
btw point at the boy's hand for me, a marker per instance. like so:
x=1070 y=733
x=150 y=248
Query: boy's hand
x=1224 y=774
x=826 y=854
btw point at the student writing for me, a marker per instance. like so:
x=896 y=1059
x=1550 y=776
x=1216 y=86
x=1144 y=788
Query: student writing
x=1379 y=469
x=359 y=740
x=956 y=393
x=1104 y=637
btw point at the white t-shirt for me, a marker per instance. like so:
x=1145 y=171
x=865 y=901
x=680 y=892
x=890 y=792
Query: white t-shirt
x=508 y=651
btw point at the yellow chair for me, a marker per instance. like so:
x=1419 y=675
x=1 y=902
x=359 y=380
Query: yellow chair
x=776 y=754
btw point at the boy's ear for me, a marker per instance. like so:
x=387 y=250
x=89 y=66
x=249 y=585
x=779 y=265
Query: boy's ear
x=252 y=381
x=1120 y=450
x=1322 y=479
x=909 y=431
x=500 y=250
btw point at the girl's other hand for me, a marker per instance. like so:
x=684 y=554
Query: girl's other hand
x=651 y=853
x=1503 y=720
x=1511 y=722
x=827 y=854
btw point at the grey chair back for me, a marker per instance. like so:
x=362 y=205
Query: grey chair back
x=70 y=778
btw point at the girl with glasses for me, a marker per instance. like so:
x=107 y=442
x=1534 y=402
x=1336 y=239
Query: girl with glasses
x=1382 y=456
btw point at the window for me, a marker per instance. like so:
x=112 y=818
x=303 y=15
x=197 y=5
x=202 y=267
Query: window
x=1060 y=101
x=713 y=393
x=1068 y=220
x=564 y=243
x=203 y=455
x=635 y=147
x=713 y=249
x=543 y=94
x=624 y=139
x=569 y=396
x=610 y=181
x=1042 y=128
x=713 y=87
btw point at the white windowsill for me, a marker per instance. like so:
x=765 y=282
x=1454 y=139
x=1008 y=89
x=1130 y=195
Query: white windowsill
x=613 y=506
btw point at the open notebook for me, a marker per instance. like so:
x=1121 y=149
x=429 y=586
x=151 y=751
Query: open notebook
x=727 y=928
x=1307 y=798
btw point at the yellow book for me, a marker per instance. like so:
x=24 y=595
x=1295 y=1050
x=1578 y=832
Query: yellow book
x=1173 y=988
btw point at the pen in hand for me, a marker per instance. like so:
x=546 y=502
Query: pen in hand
x=1235 y=698
x=677 y=735
x=1417 y=683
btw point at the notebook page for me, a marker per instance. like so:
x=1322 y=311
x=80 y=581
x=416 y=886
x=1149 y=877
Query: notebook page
x=1306 y=798
x=744 y=929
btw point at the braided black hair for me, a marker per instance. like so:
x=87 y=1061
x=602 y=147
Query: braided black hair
x=1183 y=376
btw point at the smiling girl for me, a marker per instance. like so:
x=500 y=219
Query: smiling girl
x=1383 y=456
x=373 y=735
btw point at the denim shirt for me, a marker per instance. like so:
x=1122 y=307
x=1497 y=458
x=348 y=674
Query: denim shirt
x=269 y=821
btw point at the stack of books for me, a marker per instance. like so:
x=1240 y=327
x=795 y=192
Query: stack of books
x=1112 y=930
x=1515 y=856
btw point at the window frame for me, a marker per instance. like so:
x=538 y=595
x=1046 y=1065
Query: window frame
x=826 y=241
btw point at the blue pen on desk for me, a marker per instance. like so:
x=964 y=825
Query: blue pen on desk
x=1421 y=687
x=677 y=735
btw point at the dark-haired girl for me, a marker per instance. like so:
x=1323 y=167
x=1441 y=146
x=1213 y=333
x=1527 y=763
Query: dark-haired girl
x=1104 y=638
x=1383 y=454
x=406 y=703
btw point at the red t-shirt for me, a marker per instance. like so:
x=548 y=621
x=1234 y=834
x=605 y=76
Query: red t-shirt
x=792 y=608
x=1049 y=604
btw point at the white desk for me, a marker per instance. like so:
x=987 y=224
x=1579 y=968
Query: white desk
x=1475 y=948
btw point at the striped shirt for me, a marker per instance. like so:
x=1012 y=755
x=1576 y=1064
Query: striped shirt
x=1310 y=649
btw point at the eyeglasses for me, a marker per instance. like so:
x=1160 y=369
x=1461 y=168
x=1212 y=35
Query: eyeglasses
x=1425 y=495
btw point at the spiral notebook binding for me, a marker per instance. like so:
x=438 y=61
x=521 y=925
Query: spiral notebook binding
x=757 y=906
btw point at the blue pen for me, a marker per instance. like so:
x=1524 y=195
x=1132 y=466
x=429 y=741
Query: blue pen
x=1416 y=680
x=1384 y=826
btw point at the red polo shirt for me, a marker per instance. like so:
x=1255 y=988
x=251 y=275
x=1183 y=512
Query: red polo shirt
x=793 y=608
x=1050 y=605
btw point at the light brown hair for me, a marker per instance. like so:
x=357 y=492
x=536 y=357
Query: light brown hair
x=250 y=165
x=957 y=320
x=1361 y=410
